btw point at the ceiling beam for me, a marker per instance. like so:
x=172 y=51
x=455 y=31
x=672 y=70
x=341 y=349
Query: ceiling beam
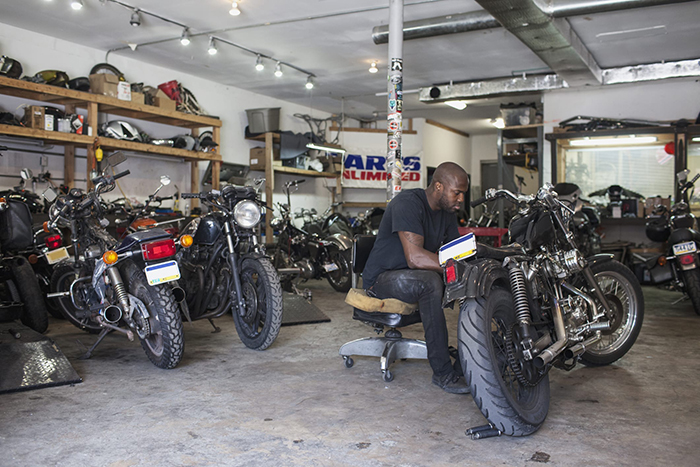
x=553 y=40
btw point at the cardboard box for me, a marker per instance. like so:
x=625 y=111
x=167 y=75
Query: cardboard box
x=124 y=91
x=164 y=102
x=34 y=116
x=257 y=158
x=105 y=84
x=138 y=97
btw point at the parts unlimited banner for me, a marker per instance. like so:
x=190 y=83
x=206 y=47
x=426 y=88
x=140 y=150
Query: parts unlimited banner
x=363 y=169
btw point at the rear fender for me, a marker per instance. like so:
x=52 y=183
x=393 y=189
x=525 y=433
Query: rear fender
x=474 y=279
x=343 y=242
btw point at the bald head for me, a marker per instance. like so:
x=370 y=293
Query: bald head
x=448 y=187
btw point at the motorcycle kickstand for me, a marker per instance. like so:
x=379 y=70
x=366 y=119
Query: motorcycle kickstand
x=216 y=328
x=88 y=354
x=483 y=431
x=682 y=299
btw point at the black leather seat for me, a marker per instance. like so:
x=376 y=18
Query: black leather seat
x=390 y=313
x=499 y=254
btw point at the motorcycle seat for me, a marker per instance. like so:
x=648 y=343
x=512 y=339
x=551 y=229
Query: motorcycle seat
x=499 y=254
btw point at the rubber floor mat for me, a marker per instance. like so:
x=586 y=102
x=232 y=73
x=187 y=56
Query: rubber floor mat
x=296 y=310
x=29 y=360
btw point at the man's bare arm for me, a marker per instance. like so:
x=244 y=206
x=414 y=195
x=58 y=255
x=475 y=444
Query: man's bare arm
x=418 y=257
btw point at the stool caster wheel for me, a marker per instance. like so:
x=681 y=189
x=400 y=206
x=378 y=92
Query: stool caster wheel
x=387 y=376
x=349 y=362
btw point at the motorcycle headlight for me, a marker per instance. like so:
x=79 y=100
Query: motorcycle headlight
x=247 y=214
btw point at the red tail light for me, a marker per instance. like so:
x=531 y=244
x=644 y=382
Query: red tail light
x=450 y=272
x=53 y=242
x=158 y=250
x=687 y=259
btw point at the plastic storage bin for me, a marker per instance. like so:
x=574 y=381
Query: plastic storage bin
x=263 y=120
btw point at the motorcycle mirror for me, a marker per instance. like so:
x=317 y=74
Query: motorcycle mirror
x=26 y=174
x=50 y=194
x=682 y=175
x=116 y=158
x=164 y=180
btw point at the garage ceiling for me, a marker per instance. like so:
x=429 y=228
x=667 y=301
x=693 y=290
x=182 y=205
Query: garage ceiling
x=333 y=40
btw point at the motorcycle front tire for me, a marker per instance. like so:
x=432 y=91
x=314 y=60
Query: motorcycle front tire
x=165 y=346
x=691 y=279
x=513 y=409
x=260 y=286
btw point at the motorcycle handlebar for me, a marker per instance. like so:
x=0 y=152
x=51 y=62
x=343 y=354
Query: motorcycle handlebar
x=479 y=201
x=84 y=204
x=190 y=195
x=122 y=174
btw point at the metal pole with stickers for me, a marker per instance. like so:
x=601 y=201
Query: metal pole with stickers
x=395 y=99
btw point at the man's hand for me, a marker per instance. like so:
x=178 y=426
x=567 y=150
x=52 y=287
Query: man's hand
x=418 y=257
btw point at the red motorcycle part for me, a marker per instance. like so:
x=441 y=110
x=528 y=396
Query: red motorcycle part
x=158 y=250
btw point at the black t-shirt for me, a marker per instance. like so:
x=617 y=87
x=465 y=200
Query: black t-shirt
x=408 y=212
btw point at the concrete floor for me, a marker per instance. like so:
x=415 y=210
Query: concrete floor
x=296 y=404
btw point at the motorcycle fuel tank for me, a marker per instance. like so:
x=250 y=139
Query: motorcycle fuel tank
x=208 y=230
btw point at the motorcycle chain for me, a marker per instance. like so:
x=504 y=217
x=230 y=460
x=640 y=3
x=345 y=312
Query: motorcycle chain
x=514 y=363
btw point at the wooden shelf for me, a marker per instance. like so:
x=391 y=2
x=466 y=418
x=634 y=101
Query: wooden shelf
x=359 y=204
x=261 y=137
x=54 y=137
x=106 y=104
x=306 y=173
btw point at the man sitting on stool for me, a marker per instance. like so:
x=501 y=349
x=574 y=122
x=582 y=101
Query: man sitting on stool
x=404 y=264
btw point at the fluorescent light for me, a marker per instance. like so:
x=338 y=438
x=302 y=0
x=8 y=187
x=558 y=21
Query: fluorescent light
x=259 y=65
x=459 y=105
x=696 y=139
x=498 y=123
x=185 y=37
x=212 y=47
x=373 y=67
x=76 y=4
x=278 y=70
x=309 y=83
x=320 y=147
x=631 y=140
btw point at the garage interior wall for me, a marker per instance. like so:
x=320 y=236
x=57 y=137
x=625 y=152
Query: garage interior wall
x=39 y=52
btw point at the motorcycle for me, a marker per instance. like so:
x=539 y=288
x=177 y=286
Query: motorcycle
x=585 y=220
x=315 y=256
x=533 y=305
x=328 y=223
x=110 y=286
x=225 y=269
x=680 y=265
x=367 y=223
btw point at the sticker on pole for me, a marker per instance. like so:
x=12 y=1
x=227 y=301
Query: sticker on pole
x=396 y=64
x=393 y=145
x=393 y=125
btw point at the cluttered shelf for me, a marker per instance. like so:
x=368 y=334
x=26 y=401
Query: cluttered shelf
x=306 y=173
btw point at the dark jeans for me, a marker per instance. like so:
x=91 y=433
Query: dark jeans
x=425 y=288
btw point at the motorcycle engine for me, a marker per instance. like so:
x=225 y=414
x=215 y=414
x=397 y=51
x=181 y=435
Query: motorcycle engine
x=575 y=315
x=308 y=270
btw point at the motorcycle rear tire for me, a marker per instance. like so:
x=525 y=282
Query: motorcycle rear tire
x=165 y=347
x=34 y=315
x=341 y=279
x=261 y=288
x=598 y=355
x=691 y=279
x=61 y=280
x=515 y=411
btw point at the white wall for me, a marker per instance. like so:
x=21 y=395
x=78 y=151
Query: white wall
x=440 y=146
x=38 y=52
x=483 y=149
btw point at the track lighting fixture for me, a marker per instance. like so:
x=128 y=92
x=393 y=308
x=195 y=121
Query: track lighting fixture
x=309 y=83
x=76 y=4
x=278 y=70
x=234 y=11
x=185 y=37
x=259 y=65
x=212 y=47
x=373 y=67
x=135 y=19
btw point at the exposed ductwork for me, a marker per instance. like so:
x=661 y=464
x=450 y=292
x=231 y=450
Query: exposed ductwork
x=479 y=20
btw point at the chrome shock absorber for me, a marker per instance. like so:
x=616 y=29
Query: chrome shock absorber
x=522 y=307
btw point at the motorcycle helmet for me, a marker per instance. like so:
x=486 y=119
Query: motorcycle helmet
x=658 y=229
x=118 y=129
x=51 y=77
x=187 y=142
x=570 y=193
x=10 y=67
x=206 y=142
x=80 y=84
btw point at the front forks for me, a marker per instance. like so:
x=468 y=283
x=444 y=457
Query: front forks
x=593 y=285
x=235 y=274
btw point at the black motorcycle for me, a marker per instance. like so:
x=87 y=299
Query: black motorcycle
x=111 y=286
x=225 y=270
x=20 y=295
x=314 y=255
x=680 y=265
x=535 y=305
x=585 y=220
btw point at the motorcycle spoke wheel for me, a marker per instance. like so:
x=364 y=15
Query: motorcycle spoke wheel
x=340 y=279
x=259 y=326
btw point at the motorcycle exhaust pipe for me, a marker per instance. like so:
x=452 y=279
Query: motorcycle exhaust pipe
x=284 y=271
x=579 y=348
x=179 y=294
x=548 y=354
x=112 y=314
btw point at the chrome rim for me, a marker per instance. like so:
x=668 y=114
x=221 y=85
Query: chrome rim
x=616 y=285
